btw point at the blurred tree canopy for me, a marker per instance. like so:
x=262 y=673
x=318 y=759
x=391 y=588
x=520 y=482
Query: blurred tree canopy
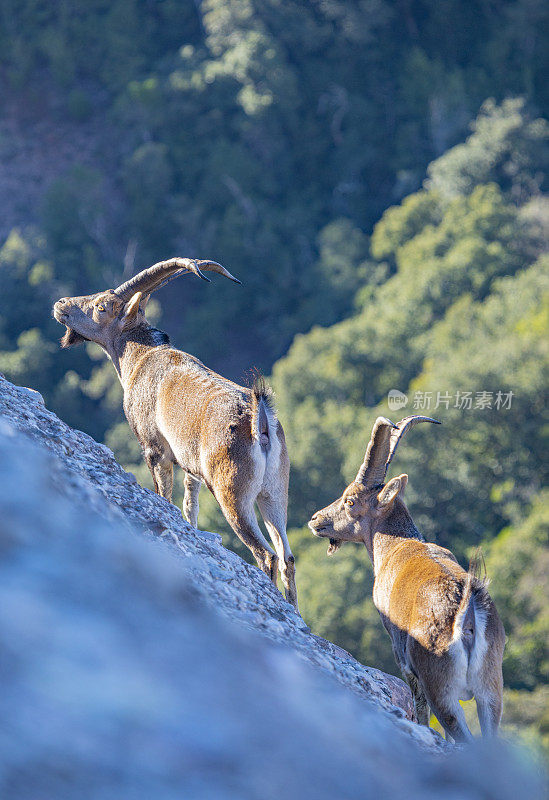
x=240 y=130
x=389 y=224
x=461 y=326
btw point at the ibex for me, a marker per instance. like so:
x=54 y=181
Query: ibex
x=183 y=413
x=447 y=637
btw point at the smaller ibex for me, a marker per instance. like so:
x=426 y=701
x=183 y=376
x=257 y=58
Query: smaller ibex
x=221 y=434
x=447 y=637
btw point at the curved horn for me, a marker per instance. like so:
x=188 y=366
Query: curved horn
x=148 y=280
x=382 y=446
x=373 y=468
x=213 y=266
x=401 y=430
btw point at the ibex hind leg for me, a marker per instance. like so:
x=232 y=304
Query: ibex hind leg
x=273 y=511
x=446 y=707
x=489 y=714
x=452 y=719
x=241 y=517
x=440 y=678
x=190 y=500
x=488 y=682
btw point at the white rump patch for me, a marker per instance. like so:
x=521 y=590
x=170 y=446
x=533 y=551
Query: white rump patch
x=468 y=666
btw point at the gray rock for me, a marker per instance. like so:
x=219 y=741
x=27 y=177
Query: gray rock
x=140 y=659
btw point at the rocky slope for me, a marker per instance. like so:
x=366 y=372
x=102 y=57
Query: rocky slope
x=139 y=658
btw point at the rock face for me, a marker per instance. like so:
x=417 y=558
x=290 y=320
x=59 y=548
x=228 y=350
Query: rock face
x=141 y=659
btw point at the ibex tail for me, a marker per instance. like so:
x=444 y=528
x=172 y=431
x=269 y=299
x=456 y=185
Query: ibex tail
x=262 y=409
x=471 y=612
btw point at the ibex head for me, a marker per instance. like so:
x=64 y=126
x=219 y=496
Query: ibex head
x=103 y=316
x=368 y=498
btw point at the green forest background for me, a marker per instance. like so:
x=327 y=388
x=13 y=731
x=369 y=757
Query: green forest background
x=375 y=174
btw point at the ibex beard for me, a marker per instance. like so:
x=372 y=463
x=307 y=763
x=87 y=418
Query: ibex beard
x=447 y=637
x=220 y=433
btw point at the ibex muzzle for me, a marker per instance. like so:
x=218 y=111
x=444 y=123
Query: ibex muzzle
x=221 y=434
x=447 y=637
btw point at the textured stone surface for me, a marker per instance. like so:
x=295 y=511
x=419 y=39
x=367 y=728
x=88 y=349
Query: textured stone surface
x=88 y=472
x=140 y=659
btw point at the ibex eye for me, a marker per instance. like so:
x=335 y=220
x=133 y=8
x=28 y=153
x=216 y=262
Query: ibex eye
x=101 y=308
x=350 y=502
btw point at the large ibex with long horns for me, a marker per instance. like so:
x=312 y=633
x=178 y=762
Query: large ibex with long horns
x=182 y=413
x=447 y=637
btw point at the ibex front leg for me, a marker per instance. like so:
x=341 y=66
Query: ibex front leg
x=421 y=706
x=161 y=468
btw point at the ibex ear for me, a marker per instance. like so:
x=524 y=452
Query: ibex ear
x=390 y=492
x=131 y=309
